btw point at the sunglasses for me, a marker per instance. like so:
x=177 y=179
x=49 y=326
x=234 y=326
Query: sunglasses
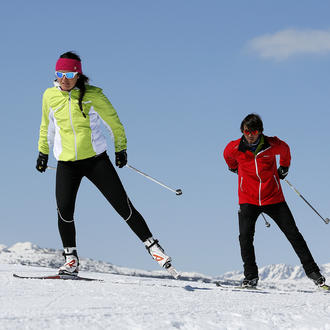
x=68 y=75
x=248 y=132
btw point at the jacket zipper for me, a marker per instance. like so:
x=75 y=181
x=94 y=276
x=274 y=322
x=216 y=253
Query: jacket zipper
x=255 y=160
x=74 y=133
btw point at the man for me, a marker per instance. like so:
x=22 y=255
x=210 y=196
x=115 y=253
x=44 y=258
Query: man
x=253 y=158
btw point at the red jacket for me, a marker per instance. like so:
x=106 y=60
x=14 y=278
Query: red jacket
x=258 y=181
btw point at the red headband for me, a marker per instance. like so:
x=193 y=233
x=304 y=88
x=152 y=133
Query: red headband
x=68 y=64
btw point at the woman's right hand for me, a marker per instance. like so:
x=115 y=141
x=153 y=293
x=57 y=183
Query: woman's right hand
x=42 y=162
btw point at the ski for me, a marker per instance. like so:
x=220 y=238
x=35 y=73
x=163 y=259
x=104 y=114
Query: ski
x=219 y=284
x=58 y=277
x=324 y=288
x=239 y=288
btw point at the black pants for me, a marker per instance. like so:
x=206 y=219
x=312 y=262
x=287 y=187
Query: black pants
x=101 y=172
x=282 y=215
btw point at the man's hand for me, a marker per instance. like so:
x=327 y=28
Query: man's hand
x=282 y=172
x=234 y=170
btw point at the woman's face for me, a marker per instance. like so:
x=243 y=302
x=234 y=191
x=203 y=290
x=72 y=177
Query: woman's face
x=67 y=84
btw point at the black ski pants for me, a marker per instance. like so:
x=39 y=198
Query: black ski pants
x=281 y=214
x=100 y=171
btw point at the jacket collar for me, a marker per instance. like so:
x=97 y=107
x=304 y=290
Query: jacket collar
x=263 y=144
x=57 y=85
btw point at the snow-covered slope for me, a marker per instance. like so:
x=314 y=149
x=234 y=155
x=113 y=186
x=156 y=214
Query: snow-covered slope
x=133 y=299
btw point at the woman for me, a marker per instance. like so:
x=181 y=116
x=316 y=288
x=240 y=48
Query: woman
x=72 y=112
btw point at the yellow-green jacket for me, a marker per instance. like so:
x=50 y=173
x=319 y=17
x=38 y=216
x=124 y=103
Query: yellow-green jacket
x=74 y=136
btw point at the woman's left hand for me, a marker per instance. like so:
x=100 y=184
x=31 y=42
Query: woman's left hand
x=121 y=158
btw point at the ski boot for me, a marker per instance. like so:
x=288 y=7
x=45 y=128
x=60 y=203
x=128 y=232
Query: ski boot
x=319 y=280
x=250 y=282
x=158 y=254
x=71 y=264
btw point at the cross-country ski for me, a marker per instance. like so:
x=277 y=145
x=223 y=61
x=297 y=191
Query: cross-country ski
x=57 y=277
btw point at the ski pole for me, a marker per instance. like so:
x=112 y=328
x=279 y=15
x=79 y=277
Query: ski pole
x=266 y=222
x=177 y=191
x=51 y=167
x=326 y=220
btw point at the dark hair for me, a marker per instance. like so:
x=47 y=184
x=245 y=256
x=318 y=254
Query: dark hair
x=253 y=122
x=82 y=79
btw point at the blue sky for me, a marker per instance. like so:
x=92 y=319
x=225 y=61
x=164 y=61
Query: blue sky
x=182 y=75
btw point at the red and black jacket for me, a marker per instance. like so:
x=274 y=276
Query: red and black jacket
x=258 y=181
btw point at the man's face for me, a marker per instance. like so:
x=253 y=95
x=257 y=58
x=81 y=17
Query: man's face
x=250 y=135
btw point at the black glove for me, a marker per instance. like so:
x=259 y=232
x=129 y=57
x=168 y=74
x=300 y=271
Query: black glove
x=282 y=172
x=121 y=158
x=42 y=162
x=234 y=170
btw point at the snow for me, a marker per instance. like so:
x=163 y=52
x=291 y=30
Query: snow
x=139 y=299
